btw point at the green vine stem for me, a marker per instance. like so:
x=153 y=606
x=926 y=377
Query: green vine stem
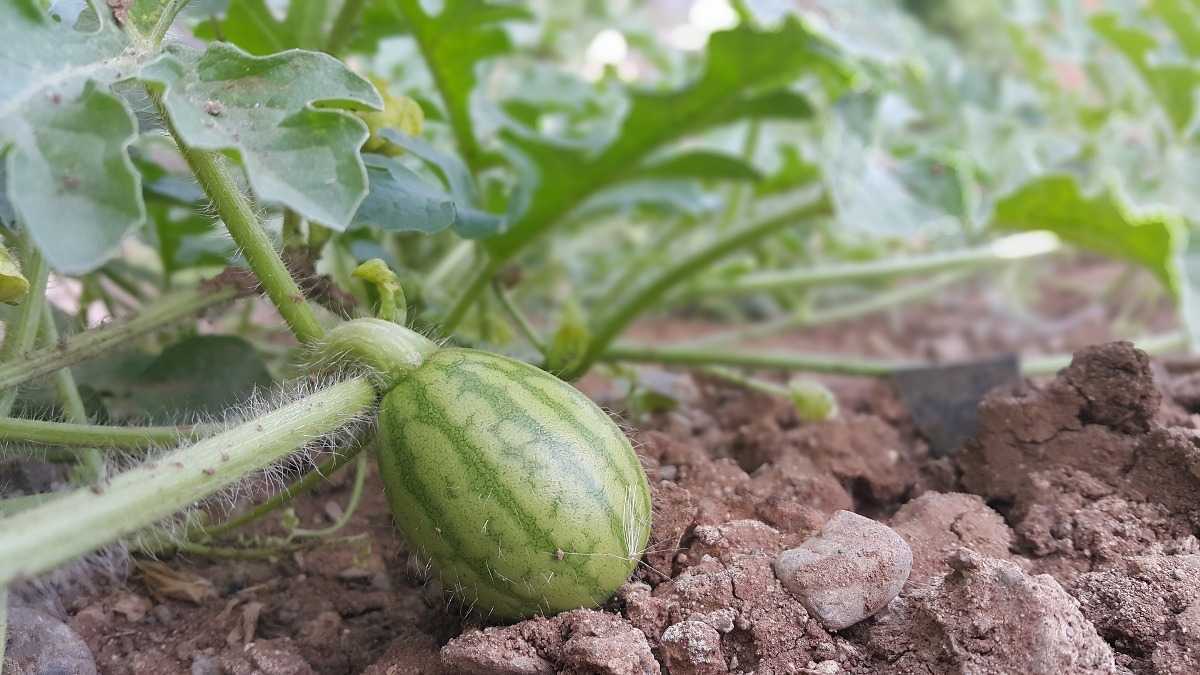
x=1154 y=345
x=3 y=624
x=519 y=319
x=625 y=312
x=344 y=25
x=752 y=383
x=72 y=435
x=234 y=207
x=93 y=343
x=299 y=487
x=810 y=318
x=842 y=365
x=20 y=333
x=786 y=361
x=470 y=294
x=170 y=10
x=91 y=462
x=361 y=466
x=41 y=538
x=1007 y=249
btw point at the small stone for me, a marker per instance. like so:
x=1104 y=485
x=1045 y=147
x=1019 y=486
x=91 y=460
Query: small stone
x=848 y=572
x=132 y=606
x=827 y=667
x=693 y=648
x=39 y=643
x=202 y=664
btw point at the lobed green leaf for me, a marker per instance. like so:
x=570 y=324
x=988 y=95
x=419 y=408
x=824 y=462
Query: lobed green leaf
x=273 y=113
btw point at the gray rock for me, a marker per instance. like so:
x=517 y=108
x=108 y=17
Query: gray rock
x=848 y=572
x=39 y=644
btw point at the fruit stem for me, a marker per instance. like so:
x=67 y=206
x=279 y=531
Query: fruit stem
x=390 y=351
x=92 y=343
x=625 y=312
x=82 y=521
x=213 y=173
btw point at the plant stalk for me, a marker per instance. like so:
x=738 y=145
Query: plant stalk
x=625 y=312
x=519 y=319
x=91 y=462
x=20 y=333
x=234 y=207
x=343 y=26
x=841 y=365
x=998 y=252
x=73 y=435
x=93 y=343
x=468 y=297
x=170 y=10
x=299 y=487
x=786 y=361
x=809 y=318
x=41 y=538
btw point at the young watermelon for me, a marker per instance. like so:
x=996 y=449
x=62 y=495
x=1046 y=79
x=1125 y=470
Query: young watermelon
x=521 y=492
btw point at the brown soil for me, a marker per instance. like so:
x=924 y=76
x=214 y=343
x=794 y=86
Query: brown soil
x=1062 y=539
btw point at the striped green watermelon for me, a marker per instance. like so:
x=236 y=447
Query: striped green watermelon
x=525 y=497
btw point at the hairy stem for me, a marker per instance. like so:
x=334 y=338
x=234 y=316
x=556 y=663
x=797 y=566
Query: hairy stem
x=73 y=435
x=91 y=462
x=299 y=487
x=234 y=207
x=93 y=343
x=41 y=538
x=21 y=332
x=625 y=312
x=171 y=9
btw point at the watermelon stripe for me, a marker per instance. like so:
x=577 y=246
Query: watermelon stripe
x=526 y=375
x=419 y=494
x=505 y=406
x=482 y=476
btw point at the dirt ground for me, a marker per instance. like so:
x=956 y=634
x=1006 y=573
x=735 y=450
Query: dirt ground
x=1061 y=539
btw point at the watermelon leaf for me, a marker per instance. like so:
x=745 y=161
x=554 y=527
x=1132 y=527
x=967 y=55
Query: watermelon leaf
x=453 y=43
x=746 y=74
x=69 y=177
x=276 y=114
x=251 y=25
x=1103 y=223
x=1173 y=84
